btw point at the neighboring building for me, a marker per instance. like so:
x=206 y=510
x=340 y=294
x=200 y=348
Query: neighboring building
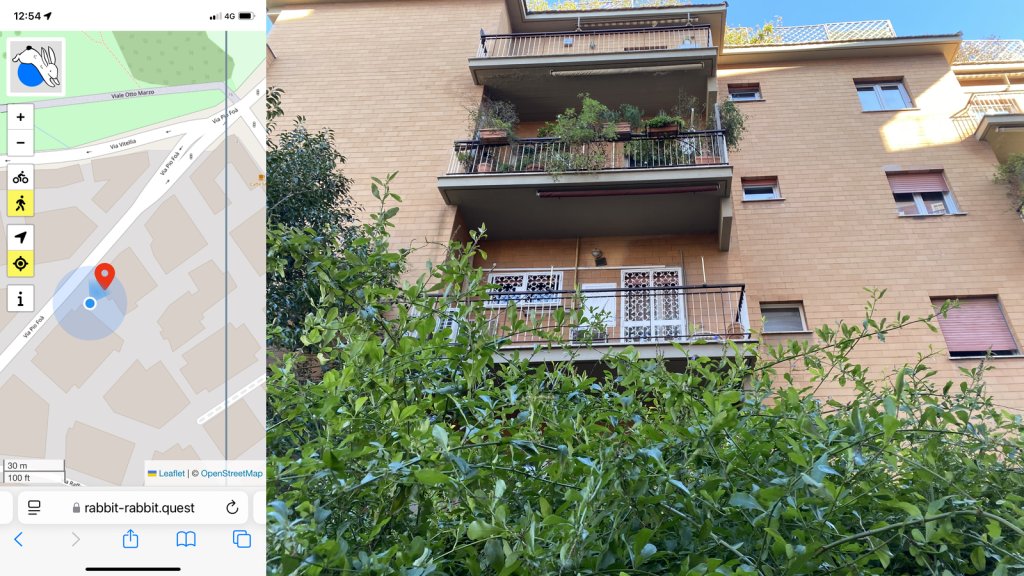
x=867 y=162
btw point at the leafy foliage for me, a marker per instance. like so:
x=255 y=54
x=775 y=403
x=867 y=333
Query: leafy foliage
x=733 y=123
x=1011 y=173
x=583 y=133
x=310 y=210
x=428 y=449
x=766 y=34
x=496 y=115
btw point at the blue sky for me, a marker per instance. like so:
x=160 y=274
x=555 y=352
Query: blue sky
x=977 y=19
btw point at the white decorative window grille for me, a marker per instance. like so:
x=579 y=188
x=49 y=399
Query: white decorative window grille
x=652 y=308
x=525 y=289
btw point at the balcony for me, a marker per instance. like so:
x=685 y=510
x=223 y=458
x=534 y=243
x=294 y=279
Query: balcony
x=996 y=118
x=651 y=318
x=544 y=188
x=645 y=66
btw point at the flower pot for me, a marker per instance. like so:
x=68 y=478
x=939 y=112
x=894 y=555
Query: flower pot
x=623 y=131
x=707 y=159
x=485 y=167
x=669 y=130
x=535 y=167
x=493 y=136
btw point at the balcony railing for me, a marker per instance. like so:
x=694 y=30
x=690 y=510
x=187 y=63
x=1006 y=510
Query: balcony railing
x=556 y=156
x=585 y=43
x=636 y=315
x=981 y=105
x=831 y=32
x=989 y=51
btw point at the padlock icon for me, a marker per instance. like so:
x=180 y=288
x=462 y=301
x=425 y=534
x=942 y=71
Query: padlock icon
x=76 y=509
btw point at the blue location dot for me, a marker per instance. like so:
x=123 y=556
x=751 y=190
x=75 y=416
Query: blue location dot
x=87 y=311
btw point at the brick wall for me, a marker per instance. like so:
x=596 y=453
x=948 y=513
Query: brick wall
x=390 y=77
x=837 y=230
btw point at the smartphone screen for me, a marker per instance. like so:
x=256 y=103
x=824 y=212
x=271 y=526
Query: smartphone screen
x=132 y=340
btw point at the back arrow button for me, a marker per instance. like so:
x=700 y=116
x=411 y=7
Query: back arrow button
x=16 y=541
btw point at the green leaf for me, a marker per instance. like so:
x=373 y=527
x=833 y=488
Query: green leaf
x=478 y=530
x=995 y=530
x=978 y=558
x=441 y=435
x=744 y=500
x=430 y=477
x=913 y=511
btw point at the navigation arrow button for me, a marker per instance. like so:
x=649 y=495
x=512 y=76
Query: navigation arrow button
x=16 y=541
x=77 y=540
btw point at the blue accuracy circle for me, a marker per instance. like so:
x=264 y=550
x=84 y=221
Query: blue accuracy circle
x=88 y=312
x=29 y=75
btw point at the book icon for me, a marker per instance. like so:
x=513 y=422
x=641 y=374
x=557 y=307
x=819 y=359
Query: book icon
x=184 y=539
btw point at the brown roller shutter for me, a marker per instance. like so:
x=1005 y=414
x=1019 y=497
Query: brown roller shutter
x=917 y=182
x=976 y=327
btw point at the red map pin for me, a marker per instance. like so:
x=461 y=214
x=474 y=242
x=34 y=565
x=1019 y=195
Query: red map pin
x=104 y=274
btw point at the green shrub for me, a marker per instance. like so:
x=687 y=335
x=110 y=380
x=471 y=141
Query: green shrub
x=1011 y=173
x=419 y=453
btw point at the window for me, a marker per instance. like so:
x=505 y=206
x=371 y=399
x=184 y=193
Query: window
x=766 y=188
x=783 y=317
x=875 y=96
x=976 y=327
x=921 y=194
x=745 y=92
x=529 y=283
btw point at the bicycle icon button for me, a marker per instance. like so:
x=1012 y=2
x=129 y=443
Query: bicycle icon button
x=21 y=178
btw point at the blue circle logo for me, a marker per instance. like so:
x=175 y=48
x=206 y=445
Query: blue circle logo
x=29 y=75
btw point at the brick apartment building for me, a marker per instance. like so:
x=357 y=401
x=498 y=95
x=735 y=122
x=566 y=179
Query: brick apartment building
x=867 y=162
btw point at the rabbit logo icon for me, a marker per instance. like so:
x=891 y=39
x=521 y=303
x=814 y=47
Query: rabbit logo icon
x=35 y=67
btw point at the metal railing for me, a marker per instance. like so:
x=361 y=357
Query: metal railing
x=637 y=315
x=580 y=43
x=985 y=104
x=831 y=32
x=989 y=51
x=556 y=156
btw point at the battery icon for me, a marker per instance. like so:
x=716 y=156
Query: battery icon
x=245 y=15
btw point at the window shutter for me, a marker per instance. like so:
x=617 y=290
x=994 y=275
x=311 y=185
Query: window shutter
x=918 y=182
x=977 y=326
x=759 y=182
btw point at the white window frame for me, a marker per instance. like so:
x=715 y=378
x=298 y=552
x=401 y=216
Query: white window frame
x=776 y=193
x=919 y=201
x=554 y=301
x=877 y=89
x=783 y=306
x=755 y=90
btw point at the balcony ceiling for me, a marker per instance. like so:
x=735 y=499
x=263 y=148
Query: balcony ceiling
x=1004 y=132
x=538 y=95
x=636 y=202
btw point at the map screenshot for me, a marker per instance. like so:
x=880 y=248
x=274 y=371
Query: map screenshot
x=132 y=330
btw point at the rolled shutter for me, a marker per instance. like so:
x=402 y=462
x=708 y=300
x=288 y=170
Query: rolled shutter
x=919 y=182
x=977 y=326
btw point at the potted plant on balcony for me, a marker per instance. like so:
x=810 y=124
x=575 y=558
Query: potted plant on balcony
x=494 y=121
x=733 y=124
x=584 y=134
x=530 y=158
x=664 y=124
x=631 y=119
